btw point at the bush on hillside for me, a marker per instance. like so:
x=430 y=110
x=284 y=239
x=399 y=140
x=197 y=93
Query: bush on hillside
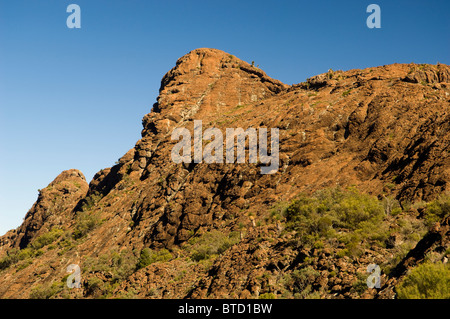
x=426 y=281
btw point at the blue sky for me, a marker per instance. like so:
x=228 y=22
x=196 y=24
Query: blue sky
x=74 y=98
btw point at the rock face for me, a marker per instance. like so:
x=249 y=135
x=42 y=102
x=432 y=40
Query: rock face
x=385 y=130
x=51 y=209
x=435 y=242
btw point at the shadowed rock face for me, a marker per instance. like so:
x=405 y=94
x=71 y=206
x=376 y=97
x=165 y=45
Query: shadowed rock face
x=383 y=129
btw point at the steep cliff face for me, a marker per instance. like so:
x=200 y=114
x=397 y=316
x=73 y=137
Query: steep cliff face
x=384 y=130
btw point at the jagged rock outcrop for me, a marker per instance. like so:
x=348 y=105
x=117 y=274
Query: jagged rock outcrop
x=385 y=130
x=50 y=210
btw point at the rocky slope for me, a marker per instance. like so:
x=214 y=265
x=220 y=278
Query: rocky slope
x=383 y=130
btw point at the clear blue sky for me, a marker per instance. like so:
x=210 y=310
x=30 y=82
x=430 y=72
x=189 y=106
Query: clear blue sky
x=74 y=98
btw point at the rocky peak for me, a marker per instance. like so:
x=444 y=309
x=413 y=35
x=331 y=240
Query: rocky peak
x=51 y=208
x=204 y=83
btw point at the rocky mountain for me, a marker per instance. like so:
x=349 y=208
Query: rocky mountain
x=363 y=178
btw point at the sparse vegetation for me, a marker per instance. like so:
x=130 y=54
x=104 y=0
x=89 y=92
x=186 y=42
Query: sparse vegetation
x=343 y=219
x=267 y=295
x=148 y=257
x=10 y=259
x=47 y=238
x=211 y=244
x=437 y=209
x=345 y=215
x=25 y=256
x=360 y=285
x=300 y=282
x=85 y=222
x=90 y=201
x=347 y=92
x=107 y=271
x=47 y=291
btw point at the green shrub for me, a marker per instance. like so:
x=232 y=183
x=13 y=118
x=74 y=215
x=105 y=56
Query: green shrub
x=85 y=223
x=334 y=213
x=27 y=253
x=47 y=238
x=437 y=209
x=24 y=264
x=276 y=212
x=129 y=294
x=10 y=259
x=303 y=278
x=148 y=257
x=114 y=266
x=360 y=285
x=426 y=281
x=345 y=93
x=211 y=244
x=40 y=292
x=145 y=258
x=299 y=283
x=117 y=265
x=267 y=295
x=15 y=255
x=46 y=291
x=120 y=265
x=96 y=287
